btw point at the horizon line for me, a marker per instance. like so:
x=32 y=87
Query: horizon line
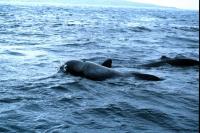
x=60 y=4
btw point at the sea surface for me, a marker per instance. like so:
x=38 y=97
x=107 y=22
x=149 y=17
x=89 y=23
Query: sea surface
x=36 y=98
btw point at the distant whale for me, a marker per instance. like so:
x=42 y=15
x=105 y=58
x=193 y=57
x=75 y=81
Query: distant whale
x=98 y=72
x=178 y=61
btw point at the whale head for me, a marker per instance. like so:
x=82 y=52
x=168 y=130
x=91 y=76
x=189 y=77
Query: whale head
x=74 y=67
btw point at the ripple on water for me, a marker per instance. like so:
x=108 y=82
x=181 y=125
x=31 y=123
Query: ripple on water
x=11 y=99
x=124 y=113
x=13 y=53
x=184 y=39
x=187 y=28
x=140 y=29
x=5 y=129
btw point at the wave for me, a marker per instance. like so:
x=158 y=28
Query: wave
x=140 y=29
x=4 y=130
x=126 y=110
x=187 y=28
x=192 y=40
x=11 y=100
x=14 y=53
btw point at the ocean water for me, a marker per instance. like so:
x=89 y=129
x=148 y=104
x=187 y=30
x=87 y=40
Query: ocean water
x=36 y=40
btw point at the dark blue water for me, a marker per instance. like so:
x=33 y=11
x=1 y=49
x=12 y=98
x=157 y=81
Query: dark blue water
x=36 y=41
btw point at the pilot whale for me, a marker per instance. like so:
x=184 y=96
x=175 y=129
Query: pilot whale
x=178 y=61
x=98 y=72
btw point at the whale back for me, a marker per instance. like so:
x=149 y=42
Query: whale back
x=183 y=62
x=97 y=72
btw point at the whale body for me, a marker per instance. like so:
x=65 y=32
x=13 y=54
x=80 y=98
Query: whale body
x=98 y=72
x=177 y=62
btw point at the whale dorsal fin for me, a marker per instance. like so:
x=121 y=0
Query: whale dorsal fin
x=107 y=63
x=164 y=58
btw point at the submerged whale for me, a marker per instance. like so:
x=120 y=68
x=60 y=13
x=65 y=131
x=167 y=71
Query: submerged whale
x=178 y=61
x=98 y=72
